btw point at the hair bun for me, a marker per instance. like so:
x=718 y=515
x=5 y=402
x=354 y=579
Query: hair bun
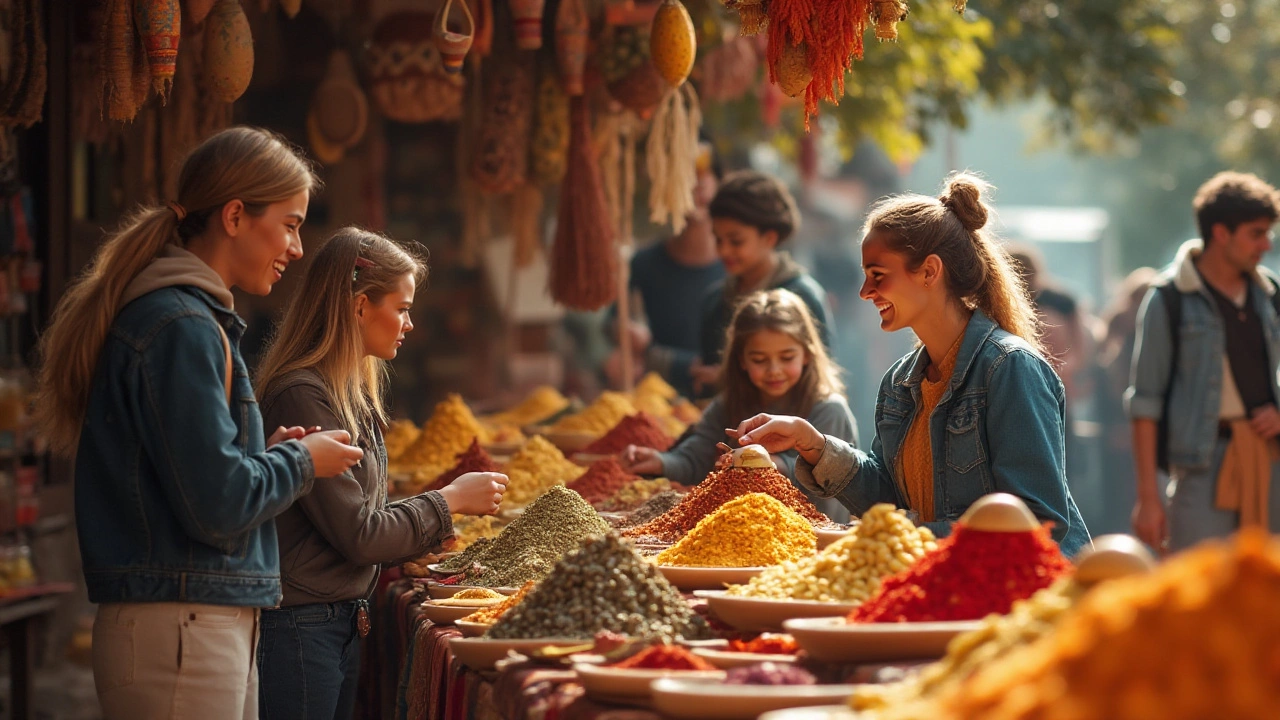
x=963 y=197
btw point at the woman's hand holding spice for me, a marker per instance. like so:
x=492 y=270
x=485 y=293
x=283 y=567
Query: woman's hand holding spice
x=780 y=433
x=477 y=493
x=641 y=460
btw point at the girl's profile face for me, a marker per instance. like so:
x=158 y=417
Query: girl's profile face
x=899 y=293
x=742 y=247
x=774 y=362
x=383 y=324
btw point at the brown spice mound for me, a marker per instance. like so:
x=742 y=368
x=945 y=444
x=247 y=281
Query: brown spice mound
x=640 y=430
x=719 y=488
x=473 y=459
x=604 y=478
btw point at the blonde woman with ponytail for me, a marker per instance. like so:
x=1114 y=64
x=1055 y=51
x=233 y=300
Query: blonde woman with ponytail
x=175 y=484
x=327 y=366
x=975 y=409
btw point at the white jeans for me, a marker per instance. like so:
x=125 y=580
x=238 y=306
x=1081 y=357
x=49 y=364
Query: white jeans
x=176 y=660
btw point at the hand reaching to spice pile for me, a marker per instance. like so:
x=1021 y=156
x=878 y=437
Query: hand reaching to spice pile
x=478 y=493
x=641 y=460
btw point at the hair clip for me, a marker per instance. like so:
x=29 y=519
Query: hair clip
x=361 y=264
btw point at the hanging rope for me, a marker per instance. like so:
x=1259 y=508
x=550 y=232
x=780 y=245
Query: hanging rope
x=671 y=155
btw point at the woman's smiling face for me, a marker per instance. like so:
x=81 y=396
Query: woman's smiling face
x=899 y=293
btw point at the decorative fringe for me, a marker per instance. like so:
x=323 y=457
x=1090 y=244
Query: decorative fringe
x=671 y=154
x=832 y=32
x=584 y=264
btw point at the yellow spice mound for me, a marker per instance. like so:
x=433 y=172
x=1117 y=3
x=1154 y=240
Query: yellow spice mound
x=539 y=405
x=753 y=530
x=535 y=468
x=653 y=384
x=469 y=528
x=599 y=417
x=1197 y=638
x=478 y=594
x=399 y=436
x=450 y=431
x=848 y=570
x=494 y=613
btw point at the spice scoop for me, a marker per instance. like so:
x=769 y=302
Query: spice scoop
x=751 y=456
x=1112 y=556
x=999 y=512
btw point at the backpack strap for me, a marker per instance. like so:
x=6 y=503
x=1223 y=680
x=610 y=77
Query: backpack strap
x=226 y=349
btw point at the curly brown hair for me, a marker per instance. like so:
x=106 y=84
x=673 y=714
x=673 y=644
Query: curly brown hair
x=759 y=200
x=1232 y=198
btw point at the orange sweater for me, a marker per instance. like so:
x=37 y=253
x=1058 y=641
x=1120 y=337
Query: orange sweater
x=917 y=448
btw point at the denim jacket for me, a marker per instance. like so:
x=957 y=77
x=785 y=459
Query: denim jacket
x=1196 y=395
x=999 y=427
x=174 y=491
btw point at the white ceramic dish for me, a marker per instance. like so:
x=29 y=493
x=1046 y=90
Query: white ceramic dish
x=707 y=578
x=834 y=640
x=439 y=592
x=435 y=568
x=472 y=629
x=727 y=659
x=754 y=614
x=713 y=700
x=449 y=614
x=482 y=653
x=821 y=712
x=609 y=683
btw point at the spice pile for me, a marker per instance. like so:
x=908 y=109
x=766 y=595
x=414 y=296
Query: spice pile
x=478 y=594
x=450 y=430
x=601 y=415
x=766 y=644
x=637 y=493
x=768 y=673
x=473 y=459
x=652 y=508
x=467 y=529
x=664 y=657
x=751 y=531
x=971 y=574
x=1028 y=621
x=849 y=570
x=604 y=478
x=1196 y=638
x=537 y=466
x=493 y=613
x=541 y=404
x=527 y=548
x=602 y=585
x=720 y=487
x=640 y=430
x=399 y=436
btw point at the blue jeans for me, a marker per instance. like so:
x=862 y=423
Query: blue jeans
x=1192 y=515
x=308 y=662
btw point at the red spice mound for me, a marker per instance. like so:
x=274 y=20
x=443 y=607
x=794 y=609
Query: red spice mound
x=719 y=488
x=473 y=459
x=664 y=657
x=639 y=430
x=766 y=644
x=601 y=480
x=970 y=575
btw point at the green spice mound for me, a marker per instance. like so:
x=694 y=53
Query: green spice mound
x=602 y=585
x=527 y=548
x=463 y=560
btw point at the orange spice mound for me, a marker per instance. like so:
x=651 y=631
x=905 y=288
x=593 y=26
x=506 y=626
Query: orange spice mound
x=719 y=488
x=473 y=459
x=639 y=429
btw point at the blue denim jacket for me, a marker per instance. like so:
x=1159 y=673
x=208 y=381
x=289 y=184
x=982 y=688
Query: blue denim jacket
x=999 y=427
x=174 y=490
x=1195 y=399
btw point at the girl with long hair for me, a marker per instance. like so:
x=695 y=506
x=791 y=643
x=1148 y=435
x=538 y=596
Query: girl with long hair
x=176 y=485
x=777 y=363
x=327 y=366
x=975 y=409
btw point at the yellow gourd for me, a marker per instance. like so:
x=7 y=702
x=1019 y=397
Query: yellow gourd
x=672 y=42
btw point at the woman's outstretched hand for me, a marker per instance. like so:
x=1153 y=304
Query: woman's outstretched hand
x=780 y=433
x=477 y=493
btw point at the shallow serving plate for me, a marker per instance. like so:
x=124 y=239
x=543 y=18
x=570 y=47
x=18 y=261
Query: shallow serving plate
x=586 y=459
x=707 y=578
x=727 y=659
x=438 y=592
x=472 y=629
x=713 y=700
x=826 y=537
x=747 y=613
x=449 y=614
x=609 y=683
x=435 y=568
x=834 y=640
x=482 y=653
x=820 y=712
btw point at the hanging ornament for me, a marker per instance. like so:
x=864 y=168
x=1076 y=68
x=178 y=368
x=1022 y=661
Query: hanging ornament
x=197 y=10
x=671 y=152
x=672 y=42
x=528 y=21
x=291 y=7
x=886 y=14
x=792 y=71
x=630 y=77
x=228 y=51
x=453 y=46
x=407 y=81
x=572 y=27
x=584 y=262
x=752 y=19
x=339 y=111
x=159 y=23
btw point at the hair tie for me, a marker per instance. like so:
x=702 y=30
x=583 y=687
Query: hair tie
x=177 y=209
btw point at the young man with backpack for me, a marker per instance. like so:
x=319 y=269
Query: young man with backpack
x=1203 y=393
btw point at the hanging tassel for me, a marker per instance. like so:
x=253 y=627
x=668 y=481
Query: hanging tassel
x=584 y=262
x=671 y=154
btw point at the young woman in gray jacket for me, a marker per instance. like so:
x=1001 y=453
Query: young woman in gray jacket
x=326 y=369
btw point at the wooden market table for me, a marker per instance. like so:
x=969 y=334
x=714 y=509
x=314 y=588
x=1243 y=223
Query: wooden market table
x=17 y=610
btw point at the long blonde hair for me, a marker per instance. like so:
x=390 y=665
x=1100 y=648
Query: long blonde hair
x=781 y=311
x=252 y=165
x=978 y=270
x=320 y=332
